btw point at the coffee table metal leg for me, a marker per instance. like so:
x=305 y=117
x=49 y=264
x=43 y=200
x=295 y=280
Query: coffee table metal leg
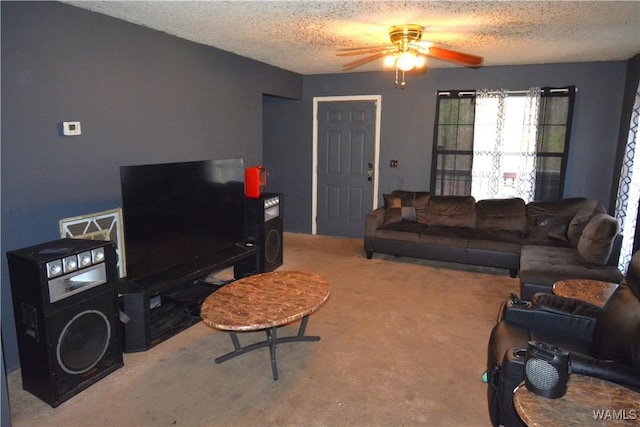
x=234 y=340
x=271 y=342
x=303 y=326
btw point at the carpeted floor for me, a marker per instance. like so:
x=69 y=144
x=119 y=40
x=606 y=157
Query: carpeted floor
x=403 y=344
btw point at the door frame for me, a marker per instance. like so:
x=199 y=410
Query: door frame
x=314 y=162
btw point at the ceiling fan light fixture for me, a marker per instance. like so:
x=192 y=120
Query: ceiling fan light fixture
x=407 y=61
x=408 y=53
x=402 y=35
x=390 y=61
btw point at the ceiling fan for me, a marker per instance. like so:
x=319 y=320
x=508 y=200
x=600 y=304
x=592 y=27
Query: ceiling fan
x=407 y=53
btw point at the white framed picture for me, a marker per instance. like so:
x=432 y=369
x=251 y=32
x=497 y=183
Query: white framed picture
x=106 y=225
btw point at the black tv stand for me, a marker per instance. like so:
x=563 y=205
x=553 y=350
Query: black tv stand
x=161 y=306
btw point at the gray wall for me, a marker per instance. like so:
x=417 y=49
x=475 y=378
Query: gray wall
x=407 y=126
x=141 y=96
x=287 y=157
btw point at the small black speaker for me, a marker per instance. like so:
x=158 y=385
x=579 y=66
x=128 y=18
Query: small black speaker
x=264 y=226
x=546 y=369
x=67 y=317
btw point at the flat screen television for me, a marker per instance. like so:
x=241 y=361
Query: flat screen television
x=181 y=217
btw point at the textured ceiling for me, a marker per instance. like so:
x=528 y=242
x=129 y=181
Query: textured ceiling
x=302 y=36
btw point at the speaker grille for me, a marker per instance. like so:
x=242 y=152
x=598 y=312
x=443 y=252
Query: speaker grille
x=272 y=246
x=83 y=341
x=541 y=374
x=546 y=369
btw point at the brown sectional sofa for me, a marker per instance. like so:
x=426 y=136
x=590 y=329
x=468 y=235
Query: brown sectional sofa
x=542 y=242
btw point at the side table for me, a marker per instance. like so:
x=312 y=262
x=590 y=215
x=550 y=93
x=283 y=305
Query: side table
x=592 y=291
x=589 y=401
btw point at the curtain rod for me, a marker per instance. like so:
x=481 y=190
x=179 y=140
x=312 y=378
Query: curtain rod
x=510 y=92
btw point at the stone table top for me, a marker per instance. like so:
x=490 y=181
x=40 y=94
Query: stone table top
x=265 y=301
x=589 y=401
x=592 y=291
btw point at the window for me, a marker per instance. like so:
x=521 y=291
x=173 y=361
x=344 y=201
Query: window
x=482 y=136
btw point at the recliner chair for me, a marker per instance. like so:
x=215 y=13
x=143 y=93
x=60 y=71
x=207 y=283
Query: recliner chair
x=603 y=342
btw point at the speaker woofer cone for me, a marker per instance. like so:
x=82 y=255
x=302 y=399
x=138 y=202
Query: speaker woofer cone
x=272 y=246
x=83 y=342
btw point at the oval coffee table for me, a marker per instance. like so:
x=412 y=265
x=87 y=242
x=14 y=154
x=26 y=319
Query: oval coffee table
x=265 y=302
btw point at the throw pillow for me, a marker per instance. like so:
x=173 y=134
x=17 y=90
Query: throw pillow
x=588 y=210
x=541 y=214
x=558 y=231
x=556 y=227
x=395 y=212
x=417 y=199
x=597 y=239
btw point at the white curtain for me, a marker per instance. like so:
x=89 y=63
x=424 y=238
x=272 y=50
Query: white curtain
x=504 y=145
x=488 y=129
x=629 y=189
x=526 y=178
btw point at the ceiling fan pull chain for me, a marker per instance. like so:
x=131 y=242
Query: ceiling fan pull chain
x=401 y=83
x=396 y=77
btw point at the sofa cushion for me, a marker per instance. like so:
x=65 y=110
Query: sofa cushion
x=545 y=265
x=457 y=237
x=496 y=240
x=405 y=231
x=597 y=238
x=579 y=221
x=549 y=219
x=502 y=214
x=548 y=241
x=451 y=211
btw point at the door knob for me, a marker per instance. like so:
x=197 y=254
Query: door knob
x=369 y=171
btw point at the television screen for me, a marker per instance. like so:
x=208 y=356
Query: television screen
x=180 y=215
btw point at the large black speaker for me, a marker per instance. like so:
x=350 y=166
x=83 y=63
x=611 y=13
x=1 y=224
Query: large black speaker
x=67 y=316
x=264 y=226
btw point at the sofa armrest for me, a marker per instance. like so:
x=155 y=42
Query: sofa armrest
x=577 y=326
x=563 y=305
x=373 y=220
x=619 y=373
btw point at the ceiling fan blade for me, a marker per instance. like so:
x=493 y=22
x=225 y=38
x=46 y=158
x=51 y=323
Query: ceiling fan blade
x=348 y=49
x=362 y=50
x=453 y=56
x=416 y=71
x=362 y=61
